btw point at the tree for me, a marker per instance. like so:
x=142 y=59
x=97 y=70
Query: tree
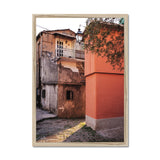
x=100 y=39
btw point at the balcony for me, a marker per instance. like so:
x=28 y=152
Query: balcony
x=65 y=52
x=71 y=53
x=79 y=54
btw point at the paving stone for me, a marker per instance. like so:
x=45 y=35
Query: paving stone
x=70 y=130
x=42 y=114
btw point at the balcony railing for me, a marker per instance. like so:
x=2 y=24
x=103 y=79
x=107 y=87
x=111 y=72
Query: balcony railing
x=65 y=52
x=79 y=54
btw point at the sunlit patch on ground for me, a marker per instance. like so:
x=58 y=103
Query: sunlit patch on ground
x=71 y=130
x=62 y=135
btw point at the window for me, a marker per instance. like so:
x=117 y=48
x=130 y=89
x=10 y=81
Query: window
x=43 y=93
x=59 y=48
x=69 y=95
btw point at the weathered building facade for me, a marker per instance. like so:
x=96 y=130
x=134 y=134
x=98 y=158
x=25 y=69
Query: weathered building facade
x=60 y=73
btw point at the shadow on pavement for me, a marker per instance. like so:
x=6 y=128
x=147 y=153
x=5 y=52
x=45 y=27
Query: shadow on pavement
x=86 y=134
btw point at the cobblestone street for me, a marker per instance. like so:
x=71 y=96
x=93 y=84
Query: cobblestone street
x=69 y=130
x=42 y=114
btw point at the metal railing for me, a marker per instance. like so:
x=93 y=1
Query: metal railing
x=65 y=52
x=79 y=54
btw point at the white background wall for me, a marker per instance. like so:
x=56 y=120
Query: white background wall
x=16 y=79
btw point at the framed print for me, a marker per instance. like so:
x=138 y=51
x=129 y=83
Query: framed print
x=80 y=80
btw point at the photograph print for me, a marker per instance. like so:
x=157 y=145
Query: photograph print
x=80 y=77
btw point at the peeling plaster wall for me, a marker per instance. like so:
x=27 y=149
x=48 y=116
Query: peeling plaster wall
x=48 y=46
x=70 y=65
x=71 y=108
x=70 y=72
x=66 y=75
x=49 y=70
x=71 y=81
x=50 y=100
x=49 y=78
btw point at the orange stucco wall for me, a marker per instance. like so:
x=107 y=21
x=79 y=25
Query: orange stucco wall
x=94 y=63
x=105 y=95
x=91 y=96
x=109 y=96
x=104 y=88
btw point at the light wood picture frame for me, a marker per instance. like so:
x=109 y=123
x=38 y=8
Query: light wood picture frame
x=125 y=143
